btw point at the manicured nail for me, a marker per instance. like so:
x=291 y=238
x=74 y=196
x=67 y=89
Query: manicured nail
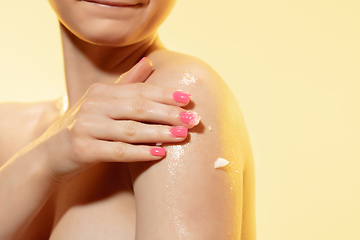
x=145 y=58
x=190 y=117
x=179 y=132
x=182 y=97
x=157 y=152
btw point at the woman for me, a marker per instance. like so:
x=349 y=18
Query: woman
x=89 y=168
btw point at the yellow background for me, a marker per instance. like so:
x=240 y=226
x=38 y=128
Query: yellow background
x=294 y=68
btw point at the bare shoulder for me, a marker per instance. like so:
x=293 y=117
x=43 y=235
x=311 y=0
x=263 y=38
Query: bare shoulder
x=21 y=123
x=184 y=195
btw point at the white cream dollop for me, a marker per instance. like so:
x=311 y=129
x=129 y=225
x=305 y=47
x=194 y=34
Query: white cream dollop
x=221 y=162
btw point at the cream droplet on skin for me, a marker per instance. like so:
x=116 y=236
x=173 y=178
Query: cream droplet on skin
x=221 y=162
x=210 y=128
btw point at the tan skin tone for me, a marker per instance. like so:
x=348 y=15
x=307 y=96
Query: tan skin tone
x=88 y=173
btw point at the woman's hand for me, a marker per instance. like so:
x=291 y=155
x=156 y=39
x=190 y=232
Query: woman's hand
x=110 y=121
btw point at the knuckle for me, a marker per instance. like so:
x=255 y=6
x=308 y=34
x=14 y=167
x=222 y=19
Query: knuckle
x=88 y=104
x=120 y=150
x=96 y=88
x=165 y=92
x=80 y=126
x=140 y=89
x=130 y=129
x=139 y=107
x=172 y=113
x=79 y=148
x=159 y=132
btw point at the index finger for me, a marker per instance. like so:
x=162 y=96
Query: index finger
x=165 y=95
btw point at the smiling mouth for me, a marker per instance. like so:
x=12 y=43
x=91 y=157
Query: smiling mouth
x=112 y=3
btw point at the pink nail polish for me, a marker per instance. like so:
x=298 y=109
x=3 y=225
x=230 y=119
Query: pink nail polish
x=182 y=97
x=179 y=132
x=190 y=118
x=157 y=152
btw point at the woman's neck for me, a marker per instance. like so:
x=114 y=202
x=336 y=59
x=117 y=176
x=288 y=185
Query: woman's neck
x=86 y=63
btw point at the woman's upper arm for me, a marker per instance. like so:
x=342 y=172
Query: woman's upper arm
x=183 y=196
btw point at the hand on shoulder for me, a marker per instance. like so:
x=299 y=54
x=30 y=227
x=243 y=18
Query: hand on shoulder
x=211 y=97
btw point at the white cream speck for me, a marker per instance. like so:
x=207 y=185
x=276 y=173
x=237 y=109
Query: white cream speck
x=221 y=162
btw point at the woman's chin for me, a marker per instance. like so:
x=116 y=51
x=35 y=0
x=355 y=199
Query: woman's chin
x=105 y=36
x=110 y=40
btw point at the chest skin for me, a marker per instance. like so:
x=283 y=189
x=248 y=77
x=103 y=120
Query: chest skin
x=97 y=204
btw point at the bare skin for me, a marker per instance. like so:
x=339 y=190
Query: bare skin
x=180 y=196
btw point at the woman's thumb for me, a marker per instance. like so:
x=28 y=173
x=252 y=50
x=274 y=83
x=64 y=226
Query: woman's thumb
x=138 y=73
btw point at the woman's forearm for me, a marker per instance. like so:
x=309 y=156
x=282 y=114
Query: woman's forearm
x=25 y=186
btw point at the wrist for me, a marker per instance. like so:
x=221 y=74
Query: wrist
x=36 y=160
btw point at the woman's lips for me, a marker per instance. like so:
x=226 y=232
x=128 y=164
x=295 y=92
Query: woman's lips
x=112 y=3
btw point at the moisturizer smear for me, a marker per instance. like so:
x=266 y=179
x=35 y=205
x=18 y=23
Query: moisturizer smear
x=188 y=79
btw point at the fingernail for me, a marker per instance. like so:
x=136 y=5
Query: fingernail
x=145 y=58
x=189 y=117
x=157 y=152
x=182 y=97
x=179 y=132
